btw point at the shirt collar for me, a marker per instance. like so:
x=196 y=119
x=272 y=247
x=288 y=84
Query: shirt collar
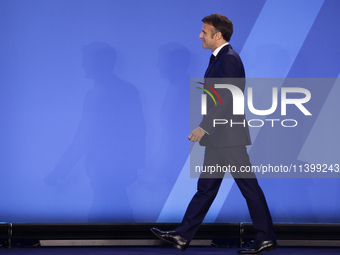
x=219 y=48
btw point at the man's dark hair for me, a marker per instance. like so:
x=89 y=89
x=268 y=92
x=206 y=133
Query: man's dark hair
x=221 y=24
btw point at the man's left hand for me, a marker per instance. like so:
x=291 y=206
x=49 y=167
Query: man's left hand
x=196 y=135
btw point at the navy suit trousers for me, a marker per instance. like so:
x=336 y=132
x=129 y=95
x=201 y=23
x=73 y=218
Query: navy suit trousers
x=209 y=184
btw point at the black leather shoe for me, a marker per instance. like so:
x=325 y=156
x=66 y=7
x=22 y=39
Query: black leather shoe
x=258 y=247
x=171 y=237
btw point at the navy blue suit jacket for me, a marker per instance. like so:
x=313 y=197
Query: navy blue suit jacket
x=227 y=65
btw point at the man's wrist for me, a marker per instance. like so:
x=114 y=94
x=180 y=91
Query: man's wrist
x=204 y=130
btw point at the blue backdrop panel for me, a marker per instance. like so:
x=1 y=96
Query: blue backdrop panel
x=94 y=106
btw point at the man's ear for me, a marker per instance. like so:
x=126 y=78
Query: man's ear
x=218 y=35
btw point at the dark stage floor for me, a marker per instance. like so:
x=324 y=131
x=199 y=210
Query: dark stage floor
x=163 y=250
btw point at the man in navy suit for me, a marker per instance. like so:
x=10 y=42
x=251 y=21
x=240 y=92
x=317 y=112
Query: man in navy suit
x=225 y=146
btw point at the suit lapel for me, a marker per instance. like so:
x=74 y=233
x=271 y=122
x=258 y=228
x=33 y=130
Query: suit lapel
x=224 y=50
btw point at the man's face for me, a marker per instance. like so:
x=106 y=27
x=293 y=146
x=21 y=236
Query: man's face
x=207 y=35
